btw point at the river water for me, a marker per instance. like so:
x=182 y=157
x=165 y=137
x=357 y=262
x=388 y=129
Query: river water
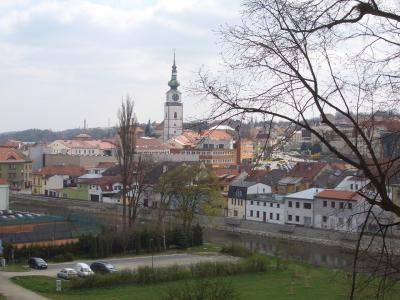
x=319 y=255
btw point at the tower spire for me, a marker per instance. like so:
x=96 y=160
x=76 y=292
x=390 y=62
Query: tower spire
x=173 y=83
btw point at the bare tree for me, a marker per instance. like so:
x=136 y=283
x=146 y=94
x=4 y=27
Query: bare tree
x=126 y=150
x=297 y=60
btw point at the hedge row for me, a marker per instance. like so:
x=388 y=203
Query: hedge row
x=147 y=275
x=108 y=244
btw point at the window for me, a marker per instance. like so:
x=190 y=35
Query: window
x=340 y=221
x=297 y=219
x=258 y=214
x=351 y=186
x=251 y=202
x=258 y=203
x=232 y=201
x=341 y=205
x=350 y=205
x=251 y=213
x=289 y=217
x=325 y=203
x=278 y=205
x=333 y=204
x=290 y=203
x=324 y=219
x=265 y=203
x=271 y=205
x=235 y=213
x=277 y=217
x=221 y=146
x=307 y=205
x=271 y=216
x=175 y=115
x=297 y=204
x=356 y=186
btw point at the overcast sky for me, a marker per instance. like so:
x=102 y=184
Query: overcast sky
x=65 y=61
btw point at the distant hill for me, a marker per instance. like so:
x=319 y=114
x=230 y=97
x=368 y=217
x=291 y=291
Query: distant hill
x=36 y=135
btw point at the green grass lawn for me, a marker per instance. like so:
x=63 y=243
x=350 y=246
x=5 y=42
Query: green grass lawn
x=298 y=282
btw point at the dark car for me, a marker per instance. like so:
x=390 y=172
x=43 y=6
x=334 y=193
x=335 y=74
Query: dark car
x=37 y=263
x=102 y=267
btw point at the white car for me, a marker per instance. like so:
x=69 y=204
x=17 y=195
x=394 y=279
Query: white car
x=67 y=273
x=83 y=270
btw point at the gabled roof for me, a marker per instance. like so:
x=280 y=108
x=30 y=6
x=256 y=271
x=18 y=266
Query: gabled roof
x=242 y=183
x=338 y=195
x=10 y=154
x=70 y=170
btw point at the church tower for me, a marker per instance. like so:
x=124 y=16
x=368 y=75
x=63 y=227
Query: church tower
x=173 y=108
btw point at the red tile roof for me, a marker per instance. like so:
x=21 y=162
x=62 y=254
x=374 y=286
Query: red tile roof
x=10 y=154
x=217 y=135
x=146 y=143
x=3 y=181
x=308 y=171
x=338 y=195
x=70 y=170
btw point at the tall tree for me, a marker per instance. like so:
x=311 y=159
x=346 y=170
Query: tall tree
x=296 y=60
x=125 y=150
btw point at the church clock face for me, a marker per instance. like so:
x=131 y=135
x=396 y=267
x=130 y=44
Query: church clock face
x=175 y=97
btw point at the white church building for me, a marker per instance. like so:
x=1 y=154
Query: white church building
x=173 y=108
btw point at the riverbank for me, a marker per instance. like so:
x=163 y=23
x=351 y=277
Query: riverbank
x=344 y=240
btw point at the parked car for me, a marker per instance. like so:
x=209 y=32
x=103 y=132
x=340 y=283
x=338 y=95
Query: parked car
x=83 y=270
x=37 y=263
x=67 y=273
x=102 y=267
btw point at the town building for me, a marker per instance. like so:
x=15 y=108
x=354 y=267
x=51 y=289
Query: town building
x=105 y=189
x=300 y=207
x=51 y=180
x=82 y=146
x=336 y=210
x=16 y=168
x=267 y=208
x=238 y=193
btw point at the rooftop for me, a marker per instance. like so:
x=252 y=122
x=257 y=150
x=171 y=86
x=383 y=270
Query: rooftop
x=306 y=194
x=71 y=170
x=338 y=195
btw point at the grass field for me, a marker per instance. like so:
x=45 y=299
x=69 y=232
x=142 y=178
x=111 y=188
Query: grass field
x=297 y=282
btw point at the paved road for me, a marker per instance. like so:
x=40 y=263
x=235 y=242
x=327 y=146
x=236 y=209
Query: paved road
x=15 y=292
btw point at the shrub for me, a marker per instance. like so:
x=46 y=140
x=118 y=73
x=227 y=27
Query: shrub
x=146 y=275
x=236 y=250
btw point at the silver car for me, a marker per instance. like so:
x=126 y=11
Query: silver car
x=67 y=273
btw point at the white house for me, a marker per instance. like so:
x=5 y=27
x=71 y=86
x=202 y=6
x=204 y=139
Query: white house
x=267 y=208
x=4 y=194
x=239 y=192
x=105 y=189
x=299 y=207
